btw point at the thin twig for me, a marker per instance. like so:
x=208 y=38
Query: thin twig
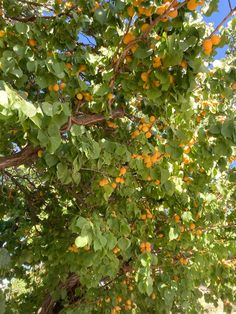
x=223 y=21
x=230 y=5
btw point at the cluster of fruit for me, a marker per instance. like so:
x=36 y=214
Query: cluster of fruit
x=84 y=96
x=145 y=247
x=147 y=215
x=209 y=43
x=149 y=160
x=144 y=127
x=119 y=179
x=56 y=87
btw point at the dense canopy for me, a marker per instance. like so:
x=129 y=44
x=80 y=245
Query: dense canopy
x=117 y=142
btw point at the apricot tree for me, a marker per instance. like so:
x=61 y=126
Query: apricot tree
x=117 y=140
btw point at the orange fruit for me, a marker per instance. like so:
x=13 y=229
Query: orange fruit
x=103 y=182
x=161 y=9
x=192 y=226
x=56 y=87
x=187 y=149
x=2 y=33
x=157 y=83
x=114 y=185
x=68 y=66
x=207 y=44
x=62 y=86
x=128 y=59
x=173 y=13
x=148 y=11
x=148 y=134
x=130 y=11
x=184 y=64
x=215 y=39
x=192 y=5
x=82 y=68
x=128 y=38
x=199 y=232
x=177 y=218
x=145 y=27
x=123 y=171
x=233 y=86
x=32 y=42
x=152 y=119
x=144 y=76
x=110 y=96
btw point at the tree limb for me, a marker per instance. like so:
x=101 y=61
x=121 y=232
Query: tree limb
x=26 y=154
x=29 y=153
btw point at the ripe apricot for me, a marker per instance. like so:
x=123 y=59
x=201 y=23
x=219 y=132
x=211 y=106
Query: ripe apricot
x=192 y=226
x=177 y=218
x=103 y=182
x=173 y=13
x=128 y=38
x=187 y=149
x=184 y=64
x=233 y=86
x=161 y=9
x=123 y=171
x=128 y=59
x=110 y=96
x=192 y=5
x=62 y=86
x=68 y=66
x=152 y=119
x=130 y=11
x=82 y=68
x=32 y=42
x=148 y=11
x=2 y=33
x=114 y=185
x=144 y=76
x=145 y=27
x=56 y=87
x=148 y=134
x=116 y=250
x=199 y=232
x=207 y=44
x=215 y=39
x=156 y=83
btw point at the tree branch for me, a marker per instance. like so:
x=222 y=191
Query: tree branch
x=29 y=153
x=26 y=154
x=224 y=20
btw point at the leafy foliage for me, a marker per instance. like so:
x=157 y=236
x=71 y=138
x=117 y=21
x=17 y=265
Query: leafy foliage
x=117 y=140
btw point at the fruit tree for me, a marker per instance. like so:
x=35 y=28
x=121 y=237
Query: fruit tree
x=117 y=143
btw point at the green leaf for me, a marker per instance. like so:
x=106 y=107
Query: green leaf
x=173 y=234
x=47 y=108
x=54 y=143
x=124 y=244
x=164 y=175
x=5 y=259
x=81 y=241
x=32 y=66
x=187 y=216
x=101 y=15
x=228 y=128
x=22 y=28
x=142 y=53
